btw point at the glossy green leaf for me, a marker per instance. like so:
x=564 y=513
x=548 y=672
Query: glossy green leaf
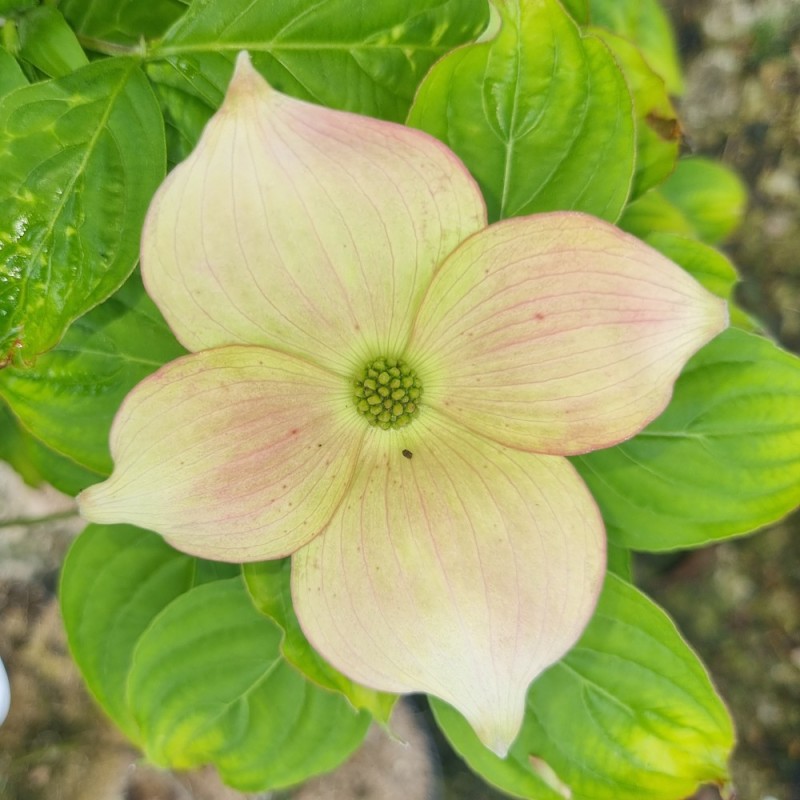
x=646 y=24
x=69 y=396
x=369 y=62
x=208 y=685
x=722 y=460
x=120 y=21
x=11 y=75
x=48 y=43
x=36 y=463
x=629 y=713
x=79 y=160
x=658 y=133
x=541 y=115
x=269 y=585
x=709 y=195
x=116 y=579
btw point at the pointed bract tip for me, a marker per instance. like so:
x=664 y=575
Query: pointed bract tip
x=243 y=64
x=496 y=734
x=499 y=747
x=246 y=82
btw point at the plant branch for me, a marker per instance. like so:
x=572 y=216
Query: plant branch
x=31 y=521
x=112 y=48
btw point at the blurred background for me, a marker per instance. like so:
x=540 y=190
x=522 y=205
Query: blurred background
x=737 y=603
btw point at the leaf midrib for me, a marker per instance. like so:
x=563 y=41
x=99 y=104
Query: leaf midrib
x=270 y=47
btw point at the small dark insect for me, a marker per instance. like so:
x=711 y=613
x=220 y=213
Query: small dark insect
x=407 y=453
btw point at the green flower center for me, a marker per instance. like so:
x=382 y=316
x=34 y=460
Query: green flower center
x=387 y=393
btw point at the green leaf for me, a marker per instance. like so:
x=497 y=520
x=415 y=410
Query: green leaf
x=541 y=115
x=68 y=398
x=620 y=561
x=48 y=43
x=115 y=580
x=208 y=685
x=269 y=585
x=13 y=449
x=658 y=133
x=646 y=24
x=15 y=6
x=653 y=213
x=628 y=714
x=578 y=9
x=11 y=75
x=80 y=157
x=36 y=463
x=722 y=460
x=709 y=195
x=121 y=21
x=369 y=62
x=702 y=199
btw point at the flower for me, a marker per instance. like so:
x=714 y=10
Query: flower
x=384 y=387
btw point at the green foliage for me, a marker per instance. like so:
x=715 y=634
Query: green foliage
x=15 y=6
x=115 y=581
x=645 y=23
x=541 y=115
x=578 y=9
x=190 y=670
x=11 y=76
x=208 y=684
x=722 y=460
x=122 y=21
x=701 y=199
x=269 y=585
x=708 y=194
x=628 y=713
x=48 y=43
x=657 y=128
x=80 y=157
x=369 y=62
x=69 y=396
x=37 y=463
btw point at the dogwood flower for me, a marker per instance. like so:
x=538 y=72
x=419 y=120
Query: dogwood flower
x=385 y=387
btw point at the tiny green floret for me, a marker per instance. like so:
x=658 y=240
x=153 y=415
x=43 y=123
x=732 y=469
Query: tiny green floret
x=387 y=393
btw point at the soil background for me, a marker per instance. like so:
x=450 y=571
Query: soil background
x=738 y=603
